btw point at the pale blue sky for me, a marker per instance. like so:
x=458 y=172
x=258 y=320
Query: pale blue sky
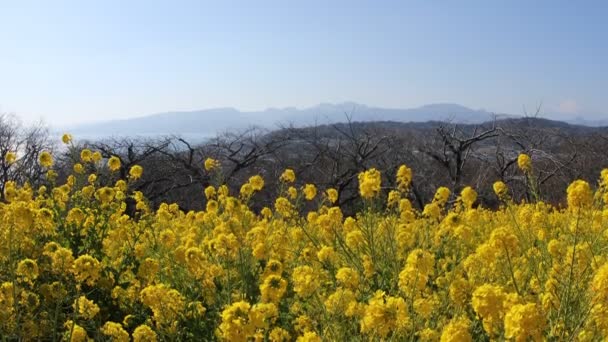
x=77 y=61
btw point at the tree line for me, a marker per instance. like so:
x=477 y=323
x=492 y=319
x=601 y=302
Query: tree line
x=331 y=156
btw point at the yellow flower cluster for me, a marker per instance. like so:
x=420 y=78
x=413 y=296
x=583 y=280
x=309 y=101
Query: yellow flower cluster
x=211 y=164
x=46 y=159
x=369 y=183
x=404 y=177
x=114 y=163
x=10 y=157
x=76 y=265
x=524 y=162
x=136 y=171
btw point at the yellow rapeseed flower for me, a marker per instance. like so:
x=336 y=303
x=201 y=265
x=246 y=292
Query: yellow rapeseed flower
x=599 y=285
x=348 y=277
x=66 y=138
x=114 y=163
x=468 y=196
x=288 y=176
x=501 y=190
x=579 y=194
x=305 y=280
x=144 y=333
x=369 y=183
x=273 y=288
x=87 y=309
x=10 y=157
x=115 y=331
x=235 y=322
x=76 y=332
x=457 y=330
x=524 y=321
x=332 y=195
x=524 y=162
x=309 y=336
x=136 y=171
x=27 y=270
x=96 y=156
x=442 y=195
x=257 y=182
x=310 y=192
x=211 y=164
x=78 y=168
x=404 y=177
x=239 y=271
x=86 y=155
x=488 y=304
x=87 y=269
x=45 y=159
x=385 y=315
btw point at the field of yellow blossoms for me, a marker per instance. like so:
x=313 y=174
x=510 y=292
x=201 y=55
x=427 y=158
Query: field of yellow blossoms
x=74 y=266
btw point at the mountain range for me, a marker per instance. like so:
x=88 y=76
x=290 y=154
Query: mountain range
x=206 y=123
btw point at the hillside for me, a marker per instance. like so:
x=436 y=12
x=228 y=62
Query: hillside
x=201 y=124
x=205 y=123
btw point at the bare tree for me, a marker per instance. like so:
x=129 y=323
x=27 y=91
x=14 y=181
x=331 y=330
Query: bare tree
x=27 y=143
x=454 y=146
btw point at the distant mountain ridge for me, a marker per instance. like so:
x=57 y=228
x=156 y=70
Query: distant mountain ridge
x=206 y=123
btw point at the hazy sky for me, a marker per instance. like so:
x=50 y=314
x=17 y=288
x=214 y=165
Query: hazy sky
x=76 y=61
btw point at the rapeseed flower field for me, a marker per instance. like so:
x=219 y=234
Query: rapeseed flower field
x=74 y=266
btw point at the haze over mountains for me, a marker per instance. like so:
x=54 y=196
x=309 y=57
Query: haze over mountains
x=205 y=123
